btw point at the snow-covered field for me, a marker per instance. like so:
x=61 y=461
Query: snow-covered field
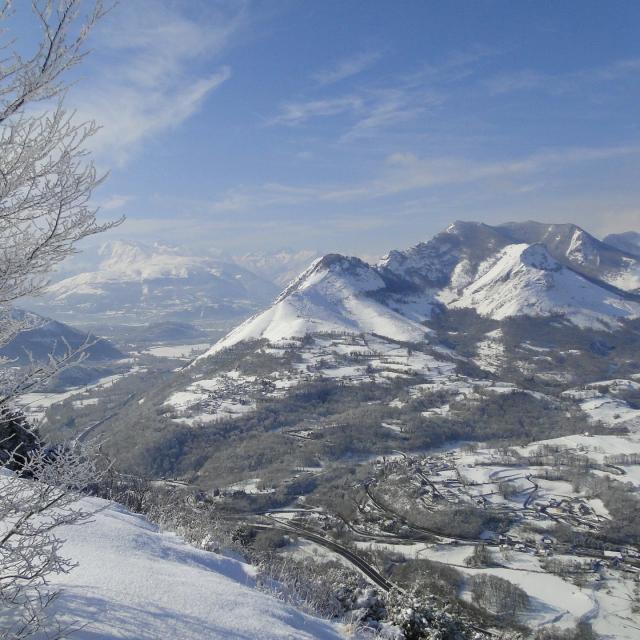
x=134 y=582
x=36 y=404
x=475 y=475
x=178 y=350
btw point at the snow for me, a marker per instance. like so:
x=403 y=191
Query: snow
x=134 y=582
x=597 y=446
x=249 y=486
x=610 y=411
x=85 y=403
x=602 y=407
x=526 y=280
x=36 y=404
x=178 y=350
x=491 y=352
x=205 y=401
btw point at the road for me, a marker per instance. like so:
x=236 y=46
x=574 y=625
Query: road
x=365 y=568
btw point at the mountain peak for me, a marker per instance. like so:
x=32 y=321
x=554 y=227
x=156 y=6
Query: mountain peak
x=352 y=273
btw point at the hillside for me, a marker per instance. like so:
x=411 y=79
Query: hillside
x=134 y=582
x=49 y=337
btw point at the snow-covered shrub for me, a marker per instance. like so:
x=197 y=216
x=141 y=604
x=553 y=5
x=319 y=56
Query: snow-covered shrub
x=425 y=619
x=582 y=631
x=181 y=511
x=401 y=616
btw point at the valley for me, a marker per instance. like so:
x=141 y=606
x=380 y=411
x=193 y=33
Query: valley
x=319 y=320
x=363 y=420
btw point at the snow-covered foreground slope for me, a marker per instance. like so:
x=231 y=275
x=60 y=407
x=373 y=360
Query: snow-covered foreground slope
x=134 y=582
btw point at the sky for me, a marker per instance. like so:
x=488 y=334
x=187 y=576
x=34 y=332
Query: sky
x=357 y=126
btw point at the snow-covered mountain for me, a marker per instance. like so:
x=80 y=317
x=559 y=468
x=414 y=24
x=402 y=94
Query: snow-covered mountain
x=334 y=295
x=504 y=271
x=525 y=280
x=576 y=248
x=139 y=282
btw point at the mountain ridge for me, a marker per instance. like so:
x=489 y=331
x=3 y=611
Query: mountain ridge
x=490 y=269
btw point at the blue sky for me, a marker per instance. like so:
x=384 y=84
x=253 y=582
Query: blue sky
x=358 y=126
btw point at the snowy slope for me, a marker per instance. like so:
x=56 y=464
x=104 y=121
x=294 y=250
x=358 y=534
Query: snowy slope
x=332 y=296
x=133 y=582
x=526 y=280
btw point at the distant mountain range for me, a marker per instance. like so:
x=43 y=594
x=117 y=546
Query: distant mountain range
x=516 y=269
x=138 y=283
x=279 y=267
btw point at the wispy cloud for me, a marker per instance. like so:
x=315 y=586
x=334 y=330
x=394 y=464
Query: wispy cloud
x=530 y=80
x=295 y=113
x=386 y=109
x=347 y=68
x=153 y=68
x=365 y=113
x=380 y=106
x=404 y=173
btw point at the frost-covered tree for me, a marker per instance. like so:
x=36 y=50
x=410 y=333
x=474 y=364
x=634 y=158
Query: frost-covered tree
x=46 y=174
x=34 y=504
x=46 y=181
